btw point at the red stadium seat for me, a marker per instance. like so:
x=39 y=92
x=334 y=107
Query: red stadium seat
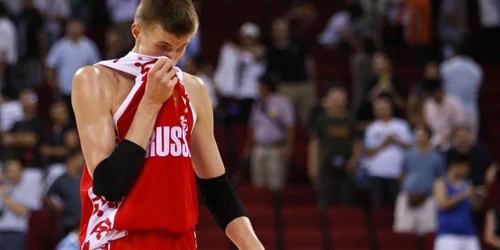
x=262 y=217
x=388 y=240
x=251 y=195
x=298 y=195
x=383 y=218
x=350 y=238
x=300 y=216
x=340 y=218
x=268 y=238
x=299 y=238
x=212 y=238
x=429 y=241
x=43 y=230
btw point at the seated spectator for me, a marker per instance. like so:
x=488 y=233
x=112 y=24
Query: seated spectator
x=456 y=199
x=11 y=110
x=67 y=189
x=238 y=71
x=25 y=137
x=462 y=78
x=70 y=242
x=114 y=45
x=442 y=112
x=334 y=149
x=17 y=198
x=414 y=111
x=415 y=206
x=271 y=135
x=55 y=149
x=386 y=141
x=342 y=29
x=383 y=83
x=492 y=229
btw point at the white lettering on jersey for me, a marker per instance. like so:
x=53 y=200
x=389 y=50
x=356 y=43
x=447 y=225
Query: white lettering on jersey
x=168 y=140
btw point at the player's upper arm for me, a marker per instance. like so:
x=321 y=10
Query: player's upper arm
x=206 y=157
x=92 y=105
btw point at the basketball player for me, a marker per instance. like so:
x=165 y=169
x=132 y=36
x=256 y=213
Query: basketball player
x=144 y=125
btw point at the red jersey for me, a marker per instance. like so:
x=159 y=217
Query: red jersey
x=164 y=196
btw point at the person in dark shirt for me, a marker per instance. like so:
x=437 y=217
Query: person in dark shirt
x=67 y=189
x=56 y=148
x=384 y=83
x=480 y=159
x=289 y=61
x=25 y=137
x=334 y=149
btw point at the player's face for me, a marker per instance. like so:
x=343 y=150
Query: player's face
x=153 y=40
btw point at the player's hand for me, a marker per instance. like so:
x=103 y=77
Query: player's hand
x=161 y=81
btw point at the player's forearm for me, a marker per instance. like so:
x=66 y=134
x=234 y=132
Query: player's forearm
x=242 y=235
x=143 y=124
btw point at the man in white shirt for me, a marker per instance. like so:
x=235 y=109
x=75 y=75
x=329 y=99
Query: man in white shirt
x=122 y=14
x=386 y=141
x=462 y=78
x=341 y=28
x=239 y=68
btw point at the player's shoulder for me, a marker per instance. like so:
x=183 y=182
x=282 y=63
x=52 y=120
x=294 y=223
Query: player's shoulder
x=90 y=79
x=192 y=82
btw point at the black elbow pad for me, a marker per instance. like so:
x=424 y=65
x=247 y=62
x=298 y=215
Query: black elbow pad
x=114 y=176
x=221 y=200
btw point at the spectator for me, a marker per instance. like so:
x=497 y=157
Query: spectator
x=490 y=22
x=11 y=110
x=343 y=28
x=14 y=7
x=452 y=25
x=419 y=29
x=414 y=111
x=383 y=83
x=55 y=13
x=194 y=66
x=70 y=242
x=415 y=206
x=480 y=159
x=194 y=47
x=442 y=112
x=32 y=46
x=67 y=56
x=462 y=78
x=17 y=199
x=491 y=229
x=114 y=45
x=386 y=141
x=122 y=15
x=290 y=61
x=25 y=137
x=301 y=15
x=8 y=46
x=397 y=21
x=334 y=149
x=456 y=198
x=271 y=136
x=361 y=72
x=67 y=189
x=240 y=66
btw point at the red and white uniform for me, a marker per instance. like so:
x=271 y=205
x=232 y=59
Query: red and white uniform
x=164 y=196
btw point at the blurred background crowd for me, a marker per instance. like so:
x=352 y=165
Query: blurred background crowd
x=340 y=122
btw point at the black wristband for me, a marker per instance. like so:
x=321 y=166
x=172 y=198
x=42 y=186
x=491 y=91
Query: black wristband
x=114 y=176
x=221 y=200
